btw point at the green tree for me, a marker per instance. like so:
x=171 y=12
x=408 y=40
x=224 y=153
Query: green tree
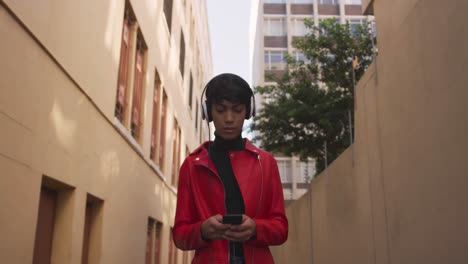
x=308 y=109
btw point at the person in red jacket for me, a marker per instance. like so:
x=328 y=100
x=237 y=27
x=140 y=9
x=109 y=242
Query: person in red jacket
x=229 y=176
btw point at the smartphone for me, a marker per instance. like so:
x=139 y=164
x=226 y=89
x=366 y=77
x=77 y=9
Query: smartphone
x=233 y=219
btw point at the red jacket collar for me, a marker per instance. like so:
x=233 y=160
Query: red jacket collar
x=200 y=154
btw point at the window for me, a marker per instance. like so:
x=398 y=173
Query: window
x=172 y=251
x=138 y=84
x=372 y=28
x=156 y=111
x=55 y=199
x=162 y=137
x=45 y=226
x=275 y=60
x=302 y=1
x=196 y=115
x=305 y=171
x=298 y=27
x=153 y=242
x=354 y=25
x=322 y=30
x=92 y=213
x=168 y=13
x=285 y=170
x=200 y=131
x=328 y=2
x=182 y=54
x=149 y=241
x=299 y=56
x=157 y=244
x=176 y=153
x=190 y=91
x=132 y=45
x=275 y=27
x=124 y=64
x=353 y=2
x=86 y=233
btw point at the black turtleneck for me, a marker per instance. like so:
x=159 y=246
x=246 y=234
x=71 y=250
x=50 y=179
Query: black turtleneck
x=234 y=202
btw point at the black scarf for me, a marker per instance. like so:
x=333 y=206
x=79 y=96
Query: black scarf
x=234 y=202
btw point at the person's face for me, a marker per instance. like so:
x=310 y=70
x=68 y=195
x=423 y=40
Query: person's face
x=228 y=118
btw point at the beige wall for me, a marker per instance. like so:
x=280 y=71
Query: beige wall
x=58 y=83
x=398 y=195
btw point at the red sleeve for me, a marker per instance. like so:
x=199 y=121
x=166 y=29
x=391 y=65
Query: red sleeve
x=272 y=227
x=186 y=231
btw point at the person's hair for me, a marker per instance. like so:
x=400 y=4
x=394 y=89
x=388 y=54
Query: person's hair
x=229 y=87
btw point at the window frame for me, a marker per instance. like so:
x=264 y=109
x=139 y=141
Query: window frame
x=304 y=29
x=302 y=1
x=153 y=241
x=190 y=91
x=176 y=146
x=136 y=121
x=268 y=29
x=268 y=66
x=328 y=2
x=155 y=129
x=123 y=80
x=172 y=251
x=162 y=136
x=182 y=54
x=352 y=21
x=297 y=56
x=353 y=2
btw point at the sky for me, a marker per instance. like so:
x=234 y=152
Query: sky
x=229 y=24
x=228 y=21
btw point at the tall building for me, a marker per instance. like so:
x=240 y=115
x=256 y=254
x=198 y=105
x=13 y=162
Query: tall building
x=278 y=22
x=99 y=105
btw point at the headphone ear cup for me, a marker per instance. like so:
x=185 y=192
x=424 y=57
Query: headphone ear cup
x=203 y=111
x=248 y=112
x=251 y=108
x=206 y=112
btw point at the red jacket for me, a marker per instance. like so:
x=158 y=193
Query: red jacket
x=201 y=195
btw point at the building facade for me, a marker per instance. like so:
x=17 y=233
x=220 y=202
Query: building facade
x=99 y=105
x=278 y=22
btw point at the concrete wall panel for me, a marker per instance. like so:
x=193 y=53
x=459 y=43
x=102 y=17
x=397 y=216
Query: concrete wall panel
x=17 y=217
x=398 y=194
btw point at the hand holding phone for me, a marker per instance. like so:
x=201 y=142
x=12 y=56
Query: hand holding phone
x=233 y=219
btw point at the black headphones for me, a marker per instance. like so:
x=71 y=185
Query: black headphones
x=205 y=106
